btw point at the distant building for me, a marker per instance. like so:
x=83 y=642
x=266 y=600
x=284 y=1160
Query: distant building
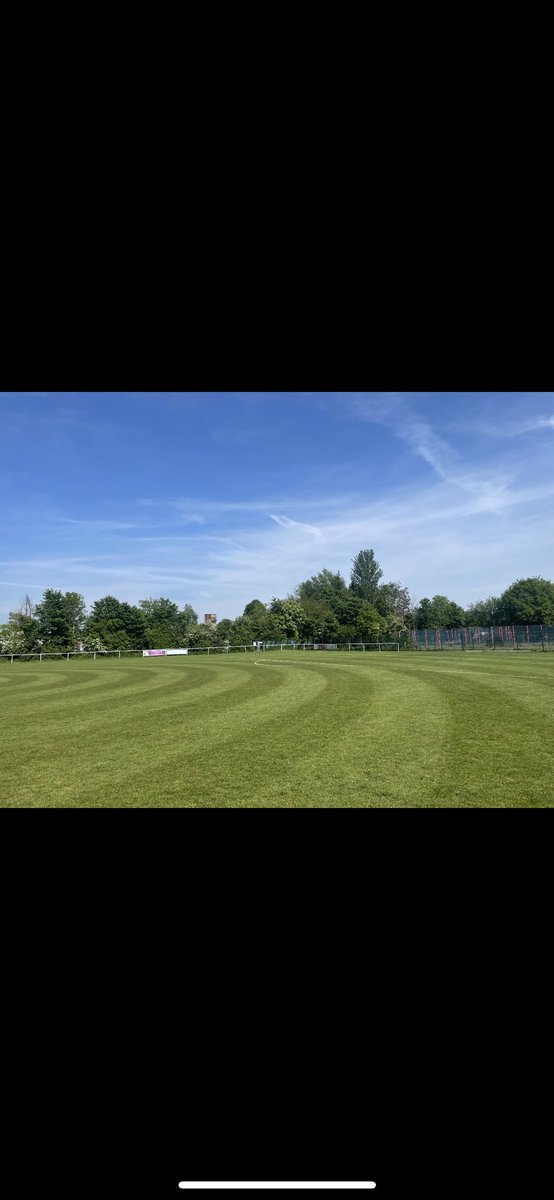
x=210 y=619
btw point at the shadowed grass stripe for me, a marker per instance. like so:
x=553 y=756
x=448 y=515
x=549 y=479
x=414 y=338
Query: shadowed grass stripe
x=114 y=689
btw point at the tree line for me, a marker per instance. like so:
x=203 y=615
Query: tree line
x=323 y=608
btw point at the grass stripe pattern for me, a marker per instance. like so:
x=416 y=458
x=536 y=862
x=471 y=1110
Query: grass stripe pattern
x=279 y=730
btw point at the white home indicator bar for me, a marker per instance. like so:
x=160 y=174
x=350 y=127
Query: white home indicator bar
x=238 y=1186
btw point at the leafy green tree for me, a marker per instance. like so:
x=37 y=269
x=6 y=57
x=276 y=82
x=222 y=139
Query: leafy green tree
x=346 y=609
x=225 y=632
x=319 y=623
x=257 y=615
x=159 y=612
x=348 y=633
x=365 y=576
x=528 y=602
x=439 y=613
x=135 y=626
x=393 y=600
x=57 y=615
x=327 y=586
x=371 y=625
x=108 y=608
x=483 y=612
x=162 y=637
x=76 y=614
x=119 y=625
x=456 y=615
x=186 y=621
x=422 y=614
x=329 y=630
x=164 y=623
x=240 y=632
x=288 y=618
x=110 y=634
x=255 y=608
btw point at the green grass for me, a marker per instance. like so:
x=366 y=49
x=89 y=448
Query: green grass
x=280 y=729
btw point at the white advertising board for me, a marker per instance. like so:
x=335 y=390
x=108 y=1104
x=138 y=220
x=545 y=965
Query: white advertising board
x=161 y=653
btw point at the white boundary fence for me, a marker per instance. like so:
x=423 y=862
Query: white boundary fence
x=94 y=654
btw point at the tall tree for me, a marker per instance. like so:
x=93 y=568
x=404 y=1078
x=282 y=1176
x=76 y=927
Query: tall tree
x=319 y=623
x=164 y=623
x=106 y=609
x=76 y=612
x=225 y=631
x=528 y=602
x=120 y=626
x=393 y=600
x=328 y=586
x=346 y=609
x=483 y=612
x=287 y=618
x=257 y=615
x=159 y=612
x=60 y=618
x=365 y=576
x=371 y=625
x=439 y=613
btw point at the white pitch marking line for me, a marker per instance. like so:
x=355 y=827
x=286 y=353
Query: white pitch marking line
x=236 y=1186
x=287 y=662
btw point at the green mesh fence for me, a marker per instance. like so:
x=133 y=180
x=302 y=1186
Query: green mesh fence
x=506 y=637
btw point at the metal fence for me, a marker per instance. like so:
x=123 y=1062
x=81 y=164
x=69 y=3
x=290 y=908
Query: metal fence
x=493 y=637
x=207 y=650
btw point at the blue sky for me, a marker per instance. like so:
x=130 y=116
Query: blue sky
x=217 y=498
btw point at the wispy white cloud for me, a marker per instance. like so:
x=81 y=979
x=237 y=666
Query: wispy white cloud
x=491 y=486
x=510 y=428
x=93 y=525
x=288 y=523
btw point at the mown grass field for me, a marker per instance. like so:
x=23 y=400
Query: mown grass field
x=280 y=730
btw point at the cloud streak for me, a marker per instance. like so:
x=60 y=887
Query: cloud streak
x=288 y=523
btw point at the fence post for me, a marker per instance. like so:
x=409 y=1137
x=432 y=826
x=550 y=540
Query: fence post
x=67 y=656
x=40 y=657
x=95 y=655
x=119 y=653
x=12 y=660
